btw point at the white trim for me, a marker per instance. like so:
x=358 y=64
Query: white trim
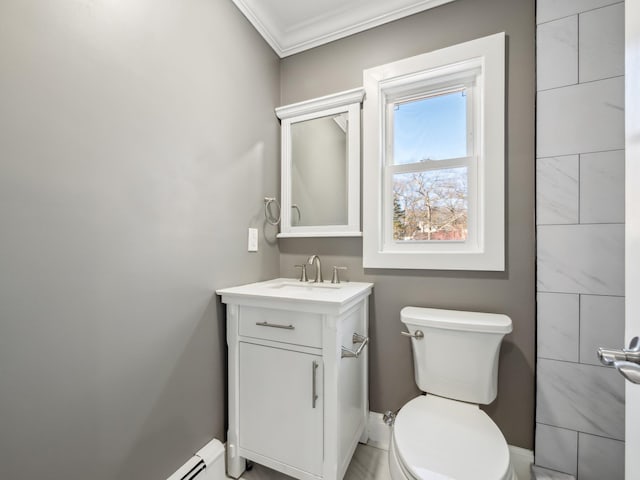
x=521 y=460
x=379 y=432
x=632 y=226
x=315 y=233
x=287 y=40
x=486 y=251
x=355 y=95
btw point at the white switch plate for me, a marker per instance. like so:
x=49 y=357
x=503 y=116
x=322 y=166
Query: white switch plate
x=253 y=239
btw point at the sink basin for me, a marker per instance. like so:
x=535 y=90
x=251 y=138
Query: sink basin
x=283 y=291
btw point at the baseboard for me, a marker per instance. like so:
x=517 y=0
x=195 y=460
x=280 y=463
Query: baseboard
x=521 y=459
x=380 y=436
x=207 y=463
x=379 y=432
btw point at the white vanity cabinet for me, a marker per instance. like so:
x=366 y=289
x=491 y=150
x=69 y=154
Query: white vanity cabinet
x=298 y=402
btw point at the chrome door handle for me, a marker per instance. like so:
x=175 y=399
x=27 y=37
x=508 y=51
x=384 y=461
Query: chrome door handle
x=629 y=370
x=626 y=361
x=418 y=335
x=314 y=391
x=609 y=357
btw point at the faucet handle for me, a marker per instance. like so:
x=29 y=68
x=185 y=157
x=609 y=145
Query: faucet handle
x=303 y=272
x=335 y=278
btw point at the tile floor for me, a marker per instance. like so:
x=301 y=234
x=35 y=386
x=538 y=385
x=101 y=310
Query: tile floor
x=368 y=463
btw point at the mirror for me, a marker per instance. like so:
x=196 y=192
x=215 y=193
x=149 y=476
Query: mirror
x=319 y=171
x=321 y=166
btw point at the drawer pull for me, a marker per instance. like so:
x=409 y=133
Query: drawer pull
x=314 y=391
x=347 y=352
x=275 y=325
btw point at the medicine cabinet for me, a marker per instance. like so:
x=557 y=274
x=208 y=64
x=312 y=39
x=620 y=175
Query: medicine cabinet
x=320 y=169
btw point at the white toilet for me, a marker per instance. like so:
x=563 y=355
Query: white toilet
x=444 y=435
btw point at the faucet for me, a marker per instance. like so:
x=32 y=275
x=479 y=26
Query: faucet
x=315 y=259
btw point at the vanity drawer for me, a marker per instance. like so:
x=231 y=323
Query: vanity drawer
x=298 y=328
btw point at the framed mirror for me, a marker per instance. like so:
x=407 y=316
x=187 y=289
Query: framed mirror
x=320 y=184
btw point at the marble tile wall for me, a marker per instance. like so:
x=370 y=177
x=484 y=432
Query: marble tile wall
x=580 y=239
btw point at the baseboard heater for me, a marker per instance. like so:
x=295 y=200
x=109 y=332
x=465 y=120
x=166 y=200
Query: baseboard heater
x=206 y=464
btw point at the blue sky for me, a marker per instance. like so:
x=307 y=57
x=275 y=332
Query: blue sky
x=433 y=127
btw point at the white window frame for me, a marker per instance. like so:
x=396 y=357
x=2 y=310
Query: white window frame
x=429 y=87
x=479 y=67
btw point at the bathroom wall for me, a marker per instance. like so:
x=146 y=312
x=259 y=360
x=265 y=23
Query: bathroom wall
x=137 y=139
x=338 y=66
x=580 y=215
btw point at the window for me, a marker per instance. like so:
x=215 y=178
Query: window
x=434 y=160
x=429 y=165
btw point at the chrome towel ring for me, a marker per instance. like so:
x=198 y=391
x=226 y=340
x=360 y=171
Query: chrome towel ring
x=270 y=217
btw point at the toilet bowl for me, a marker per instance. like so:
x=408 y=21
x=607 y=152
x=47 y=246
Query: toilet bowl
x=435 y=438
x=444 y=435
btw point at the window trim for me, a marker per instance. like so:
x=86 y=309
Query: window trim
x=484 y=61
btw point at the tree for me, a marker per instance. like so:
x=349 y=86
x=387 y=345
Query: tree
x=430 y=205
x=398 y=219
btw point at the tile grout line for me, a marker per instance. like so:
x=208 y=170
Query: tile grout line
x=549 y=359
x=580 y=431
x=577 y=451
x=579 y=326
x=580 y=293
x=580 y=189
x=578 y=224
x=582 y=153
x=544 y=90
x=578 y=13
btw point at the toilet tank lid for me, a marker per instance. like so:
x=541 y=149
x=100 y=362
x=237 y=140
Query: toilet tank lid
x=457 y=320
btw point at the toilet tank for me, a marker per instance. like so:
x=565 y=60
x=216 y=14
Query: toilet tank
x=458 y=356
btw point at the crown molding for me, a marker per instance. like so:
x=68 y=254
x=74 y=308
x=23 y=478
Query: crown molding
x=312 y=32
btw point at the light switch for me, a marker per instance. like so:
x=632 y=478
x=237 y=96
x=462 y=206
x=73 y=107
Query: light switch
x=253 y=239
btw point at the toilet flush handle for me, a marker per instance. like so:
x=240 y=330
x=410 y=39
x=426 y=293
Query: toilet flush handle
x=418 y=335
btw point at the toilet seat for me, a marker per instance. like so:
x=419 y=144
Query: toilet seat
x=436 y=438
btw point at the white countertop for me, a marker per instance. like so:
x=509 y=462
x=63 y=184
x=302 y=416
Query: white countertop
x=292 y=291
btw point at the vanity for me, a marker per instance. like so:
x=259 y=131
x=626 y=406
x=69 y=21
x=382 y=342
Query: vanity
x=298 y=368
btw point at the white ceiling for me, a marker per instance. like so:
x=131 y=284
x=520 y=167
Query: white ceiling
x=292 y=26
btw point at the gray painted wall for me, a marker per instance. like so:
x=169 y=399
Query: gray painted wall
x=338 y=66
x=137 y=139
x=580 y=217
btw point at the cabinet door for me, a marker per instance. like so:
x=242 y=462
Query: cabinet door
x=278 y=416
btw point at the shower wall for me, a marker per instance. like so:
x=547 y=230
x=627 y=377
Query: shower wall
x=580 y=236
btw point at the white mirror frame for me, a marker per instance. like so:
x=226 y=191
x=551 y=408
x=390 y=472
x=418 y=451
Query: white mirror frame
x=344 y=102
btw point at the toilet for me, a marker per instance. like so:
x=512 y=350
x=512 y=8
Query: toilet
x=444 y=435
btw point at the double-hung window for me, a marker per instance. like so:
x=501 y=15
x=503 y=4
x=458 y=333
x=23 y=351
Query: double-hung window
x=434 y=160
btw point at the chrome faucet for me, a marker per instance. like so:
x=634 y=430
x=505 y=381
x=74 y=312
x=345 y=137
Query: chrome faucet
x=315 y=259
